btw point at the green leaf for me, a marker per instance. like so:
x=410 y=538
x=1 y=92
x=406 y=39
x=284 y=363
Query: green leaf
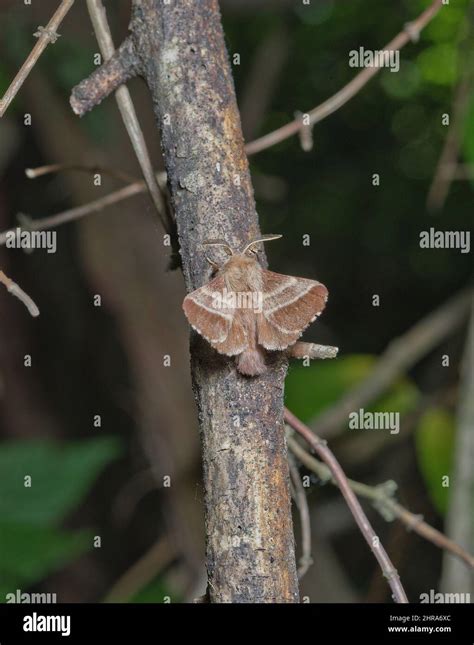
x=309 y=390
x=29 y=553
x=61 y=474
x=438 y=64
x=434 y=441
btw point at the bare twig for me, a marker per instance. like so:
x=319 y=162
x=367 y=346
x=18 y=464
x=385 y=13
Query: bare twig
x=446 y=169
x=45 y=36
x=409 y=33
x=383 y=500
x=401 y=354
x=301 y=502
x=127 y=110
x=142 y=572
x=117 y=70
x=321 y=448
x=17 y=291
x=262 y=78
x=312 y=351
x=34 y=173
x=72 y=214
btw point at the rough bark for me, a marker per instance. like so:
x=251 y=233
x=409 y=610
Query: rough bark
x=180 y=51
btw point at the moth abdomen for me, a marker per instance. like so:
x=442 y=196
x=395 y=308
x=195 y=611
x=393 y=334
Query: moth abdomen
x=251 y=362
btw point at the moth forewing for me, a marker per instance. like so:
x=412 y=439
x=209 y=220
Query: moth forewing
x=289 y=305
x=211 y=321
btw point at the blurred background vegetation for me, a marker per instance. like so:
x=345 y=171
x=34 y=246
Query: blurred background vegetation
x=111 y=480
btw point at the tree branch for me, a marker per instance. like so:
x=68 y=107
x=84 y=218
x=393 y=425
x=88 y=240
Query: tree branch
x=72 y=214
x=40 y=171
x=116 y=71
x=410 y=32
x=383 y=500
x=45 y=36
x=179 y=49
x=142 y=572
x=321 y=448
x=312 y=351
x=17 y=291
x=129 y=116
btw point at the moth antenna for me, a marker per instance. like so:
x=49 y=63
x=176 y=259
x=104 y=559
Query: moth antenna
x=228 y=249
x=264 y=238
x=213 y=264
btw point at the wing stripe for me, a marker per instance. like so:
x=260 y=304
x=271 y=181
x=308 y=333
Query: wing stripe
x=284 y=285
x=215 y=312
x=287 y=303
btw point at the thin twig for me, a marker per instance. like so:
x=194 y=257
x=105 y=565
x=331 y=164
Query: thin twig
x=447 y=167
x=17 y=291
x=321 y=448
x=312 y=351
x=409 y=33
x=301 y=502
x=127 y=110
x=40 y=171
x=400 y=355
x=45 y=36
x=384 y=502
x=142 y=572
x=72 y=214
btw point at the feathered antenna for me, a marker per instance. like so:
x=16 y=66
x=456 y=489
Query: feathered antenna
x=228 y=249
x=264 y=238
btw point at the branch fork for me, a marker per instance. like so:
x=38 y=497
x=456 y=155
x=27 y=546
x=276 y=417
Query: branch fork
x=123 y=65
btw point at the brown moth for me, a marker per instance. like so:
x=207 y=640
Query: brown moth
x=245 y=309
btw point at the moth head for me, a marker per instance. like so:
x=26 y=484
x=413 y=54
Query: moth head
x=251 y=249
x=218 y=243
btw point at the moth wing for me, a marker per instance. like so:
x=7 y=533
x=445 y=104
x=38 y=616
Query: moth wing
x=236 y=341
x=218 y=325
x=289 y=305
